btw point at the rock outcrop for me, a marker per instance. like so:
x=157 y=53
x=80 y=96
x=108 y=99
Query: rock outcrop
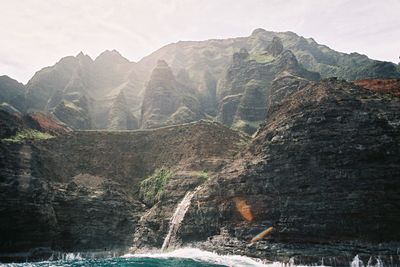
x=166 y=101
x=322 y=172
x=391 y=86
x=74 y=115
x=12 y=93
x=275 y=47
x=12 y=123
x=80 y=191
x=120 y=117
x=252 y=80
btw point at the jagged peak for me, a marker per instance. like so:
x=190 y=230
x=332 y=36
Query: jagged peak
x=111 y=55
x=83 y=57
x=162 y=72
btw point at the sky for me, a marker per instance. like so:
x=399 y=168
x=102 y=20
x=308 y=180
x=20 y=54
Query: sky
x=37 y=33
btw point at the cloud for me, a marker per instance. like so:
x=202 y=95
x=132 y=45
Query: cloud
x=39 y=33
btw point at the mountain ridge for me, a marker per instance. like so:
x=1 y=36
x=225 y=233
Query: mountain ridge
x=82 y=90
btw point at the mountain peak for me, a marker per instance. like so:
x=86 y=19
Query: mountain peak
x=111 y=55
x=258 y=31
x=83 y=58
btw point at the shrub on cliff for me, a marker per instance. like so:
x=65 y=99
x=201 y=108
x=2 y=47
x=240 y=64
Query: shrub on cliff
x=28 y=134
x=152 y=188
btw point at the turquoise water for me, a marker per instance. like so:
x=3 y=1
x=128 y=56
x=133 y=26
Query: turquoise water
x=177 y=258
x=150 y=262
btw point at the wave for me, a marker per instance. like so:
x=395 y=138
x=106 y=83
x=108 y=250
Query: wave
x=210 y=257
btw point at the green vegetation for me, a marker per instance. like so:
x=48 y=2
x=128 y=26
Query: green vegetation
x=261 y=58
x=152 y=188
x=28 y=134
x=246 y=126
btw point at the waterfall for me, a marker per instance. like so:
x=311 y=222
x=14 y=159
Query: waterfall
x=379 y=262
x=357 y=262
x=177 y=218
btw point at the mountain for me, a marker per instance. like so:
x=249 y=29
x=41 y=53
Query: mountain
x=244 y=133
x=214 y=55
x=247 y=83
x=228 y=80
x=80 y=91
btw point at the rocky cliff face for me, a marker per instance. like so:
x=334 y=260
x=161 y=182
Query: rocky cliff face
x=120 y=117
x=13 y=123
x=80 y=191
x=166 y=101
x=80 y=91
x=252 y=80
x=321 y=171
x=12 y=93
x=391 y=86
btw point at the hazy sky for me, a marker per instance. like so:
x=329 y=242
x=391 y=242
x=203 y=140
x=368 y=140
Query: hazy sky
x=37 y=33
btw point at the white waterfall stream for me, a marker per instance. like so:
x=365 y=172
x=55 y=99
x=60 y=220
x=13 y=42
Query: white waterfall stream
x=177 y=218
x=357 y=262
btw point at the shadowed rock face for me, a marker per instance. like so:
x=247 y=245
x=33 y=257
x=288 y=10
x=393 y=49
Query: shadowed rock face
x=12 y=93
x=253 y=80
x=284 y=86
x=321 y=171
x=79 y=191
x=73 y=114
x=166 y=101
x=275 y=47
x=120 y=117
x=11 y=124
x=84 y=88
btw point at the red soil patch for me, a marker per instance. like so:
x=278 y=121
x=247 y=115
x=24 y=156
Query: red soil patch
x=47 y=124
x=391 y=86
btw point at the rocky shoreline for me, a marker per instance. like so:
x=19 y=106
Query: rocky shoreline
x=322 y=170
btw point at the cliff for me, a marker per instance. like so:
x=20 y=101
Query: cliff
x=322 y=171
x=81 y=190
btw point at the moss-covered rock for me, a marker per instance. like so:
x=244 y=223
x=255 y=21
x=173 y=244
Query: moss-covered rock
x=152 y=188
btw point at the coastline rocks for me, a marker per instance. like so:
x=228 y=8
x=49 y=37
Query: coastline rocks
x=321 y=171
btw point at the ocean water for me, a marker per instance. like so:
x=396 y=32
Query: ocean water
x=180 y=257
